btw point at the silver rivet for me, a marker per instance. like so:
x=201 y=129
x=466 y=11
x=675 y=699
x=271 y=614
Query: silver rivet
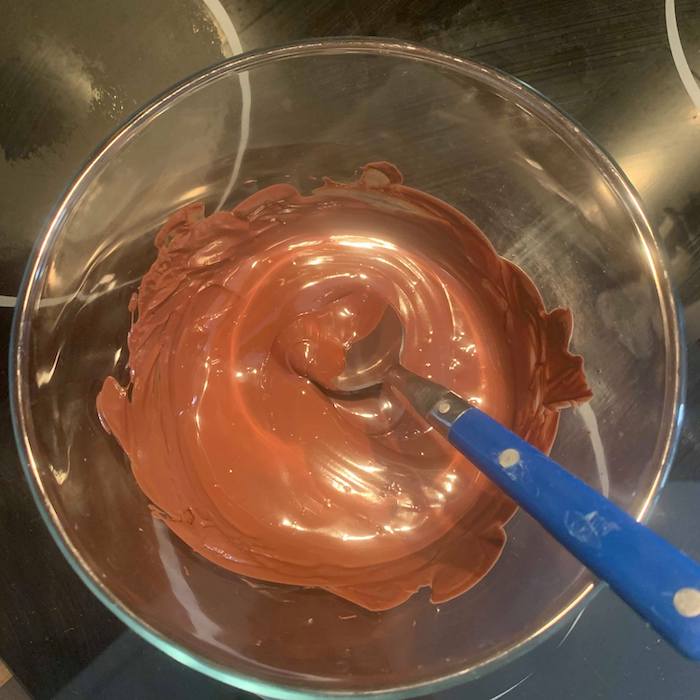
x=443 y=407
x=509 y=458
x=687 y=602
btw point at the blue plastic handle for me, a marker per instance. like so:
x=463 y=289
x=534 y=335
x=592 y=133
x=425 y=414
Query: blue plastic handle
x=660 y=582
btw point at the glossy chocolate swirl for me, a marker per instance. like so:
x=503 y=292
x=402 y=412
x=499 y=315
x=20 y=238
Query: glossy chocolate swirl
x=262 y=473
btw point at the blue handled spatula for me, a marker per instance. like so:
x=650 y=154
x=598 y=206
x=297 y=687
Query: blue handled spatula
x=657 y=580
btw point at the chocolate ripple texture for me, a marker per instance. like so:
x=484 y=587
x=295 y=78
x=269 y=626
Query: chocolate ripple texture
x=260 y=471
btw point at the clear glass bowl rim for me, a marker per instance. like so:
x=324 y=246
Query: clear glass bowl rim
x=535 y=102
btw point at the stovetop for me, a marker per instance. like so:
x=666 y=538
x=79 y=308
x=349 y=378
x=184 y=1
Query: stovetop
x=70 y=72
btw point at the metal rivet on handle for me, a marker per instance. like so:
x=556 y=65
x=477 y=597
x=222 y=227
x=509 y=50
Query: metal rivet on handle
x=509 y=458
x=443 y=407
x=687 y=602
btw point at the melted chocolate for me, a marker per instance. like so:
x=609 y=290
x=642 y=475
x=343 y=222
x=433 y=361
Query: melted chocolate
x=258 y=470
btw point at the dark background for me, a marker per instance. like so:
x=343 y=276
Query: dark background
x=72 y=70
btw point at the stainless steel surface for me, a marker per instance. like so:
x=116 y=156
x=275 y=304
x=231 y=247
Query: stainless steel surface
x=608 y=65
x=375 y=360
x=446 y=410
x=437 y=404
x=368 y=360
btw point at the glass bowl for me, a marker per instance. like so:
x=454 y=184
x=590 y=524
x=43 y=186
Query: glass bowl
x=548 y=198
